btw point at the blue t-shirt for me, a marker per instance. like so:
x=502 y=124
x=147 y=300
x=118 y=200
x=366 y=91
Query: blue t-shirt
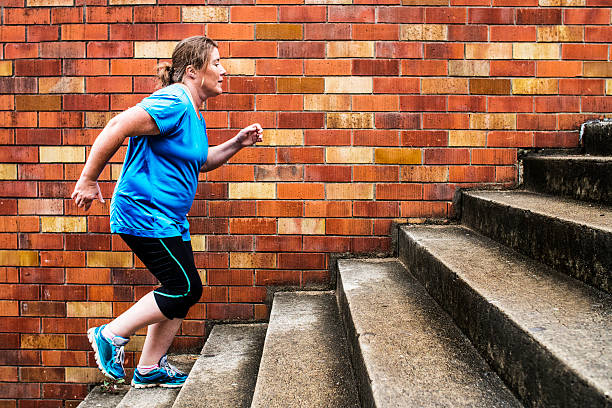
x=159 y=177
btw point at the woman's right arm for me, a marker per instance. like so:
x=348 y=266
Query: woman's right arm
x=132 y=122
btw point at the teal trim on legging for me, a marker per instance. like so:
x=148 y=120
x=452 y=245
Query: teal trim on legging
x=184 y=273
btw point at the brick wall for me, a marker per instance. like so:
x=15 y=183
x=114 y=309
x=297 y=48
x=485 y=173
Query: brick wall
x=373 y=112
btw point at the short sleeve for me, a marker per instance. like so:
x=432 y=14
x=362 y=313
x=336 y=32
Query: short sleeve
x=166 y=109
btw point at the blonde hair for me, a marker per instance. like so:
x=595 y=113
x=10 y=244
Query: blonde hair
x=194 y=51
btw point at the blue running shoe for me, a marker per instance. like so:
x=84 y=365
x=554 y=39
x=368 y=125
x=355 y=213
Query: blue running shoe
x=109 y=355
x=165 y=376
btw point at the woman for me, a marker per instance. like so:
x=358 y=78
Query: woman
x=167 y=149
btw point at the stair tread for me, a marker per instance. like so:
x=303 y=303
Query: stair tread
x=225 y=373
x=567 y=317
x=589 y=214
x=157 y=397
x=574 y=157
x=409 y=345
x=305 y=362
x=99 y=398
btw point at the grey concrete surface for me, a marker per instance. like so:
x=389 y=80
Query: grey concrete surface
x=100 y=398
x=305 y=361
x=571 y=236
x=407 y=350
x=548 y=335
x=225 y=373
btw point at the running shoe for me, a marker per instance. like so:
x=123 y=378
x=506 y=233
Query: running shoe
x=165 y=376
x=109 y=355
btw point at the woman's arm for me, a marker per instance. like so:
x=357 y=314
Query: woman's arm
x=132 y=122
x=220 y=154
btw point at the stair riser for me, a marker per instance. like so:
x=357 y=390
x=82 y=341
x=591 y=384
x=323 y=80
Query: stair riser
x=536 y=376
x=359 y=368
x=581 y=252
x=597 y=138
x=585 y=180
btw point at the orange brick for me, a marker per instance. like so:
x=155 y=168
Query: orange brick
x=80 y=32
x=424 y=174
x=424 y=68
x=295 y=191
x=279 y=67
x=252 y=226
x=248 y=14
x=399 y=191
x=376 y=173
x=278 y=208
x=327 y=209
x=348 y=226
x=375 y=102
x=510 y=139
x=471 y=174
x=328 y=67
x=559 y=68
x=494 y=156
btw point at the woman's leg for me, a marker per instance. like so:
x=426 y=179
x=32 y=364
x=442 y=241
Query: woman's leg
x=145 y=312
x=158 y=341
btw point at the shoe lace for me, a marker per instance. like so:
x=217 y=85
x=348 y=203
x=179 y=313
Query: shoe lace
x=120 y=356
x=171 y=370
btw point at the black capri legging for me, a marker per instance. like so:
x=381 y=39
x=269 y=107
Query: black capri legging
x=171 y=261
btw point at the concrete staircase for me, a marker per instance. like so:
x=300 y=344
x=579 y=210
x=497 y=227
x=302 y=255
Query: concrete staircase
x=511 y=307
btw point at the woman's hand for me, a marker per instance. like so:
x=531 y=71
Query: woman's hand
x=85 y=192
x=250 y=135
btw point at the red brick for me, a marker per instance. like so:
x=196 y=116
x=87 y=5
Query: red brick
x=231 y=31
x=157 y=14
x=587 y=16
x=234 y=208
x=59 y=258
x=279 y=67
x=399 y=191
x=17 y=85
x=423 y=103
x=252 y=84
x=277 y=278
x=389 y=32
x=375 y=103
x=63 y=15
x=444 y=51
x=247 y=294
x=132 y=66
x=584 y=52
x=327 y=137
x=224 y=311
x=596 y=103
x=76 y=32
x=468 y=33
x=252 y=226
x=214 y=294
x=376 y=138
x=64 y=358
x=17 y=189
x=559 y=68
x=582 y=86
x=109 y=14
x=491 y=16
x=86 y=67
x=178 y=31
x=509 y=139
x=438 y=191
x=301 y=261
x=513 y=33
x=326 y=244
x=64 y=292
x=301 y=120
x=285 y=243
x=327 y=32
x=108 y=84
x=18 y=154
x=33 y=308
x=494 y=156
x=263 y=49
x=23 y=50
x=551 y=104
x=259 y=155
x=390 y=49
x=238 y=120
x=119 y=102
x=115 y=49
x=8 y=241
x=64 y=391
x=328 y=173
x=231 y=173
x=62 y=49
x=467 y=103
x=20 y=324
x=299 y=191
x=573 y=121
x=320 y=209
x=510 y=104
x=348 y=226
x=512 y=68
x=29 y=15
x=445 y=15
x=40 y=241
x=556 y=139
x=445 y=121
x=19 y=292
x=38 y=67
x=43 y=33
x=424 y=138
x=598 y=34
x=233 y=102
x=354 y=14
x=471 y=174
x=12 y=33
x=279 y=102
x=424 y=68
x=538 y=16
x=279 y=208
x=64 y=325
x=19 y=390
x=375 y=67
x=302 y=14
x=209 y=225
x=376 y=209
x=230 y=277
x=305 y=50
x=90 y=102
x=147 y=85
x=249 y=14
x=317 y=278
x=371 y=244
x=42 y=275
x=447 y=156
x=134 y=32
x=403 y=15
x=397 y=120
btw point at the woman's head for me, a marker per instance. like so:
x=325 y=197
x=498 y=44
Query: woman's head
x=192 y=51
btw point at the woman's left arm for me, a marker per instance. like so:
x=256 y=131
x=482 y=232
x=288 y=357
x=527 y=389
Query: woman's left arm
x=220 y=154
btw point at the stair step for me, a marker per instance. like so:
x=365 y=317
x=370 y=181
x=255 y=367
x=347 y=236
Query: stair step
x=597 y=137
x=571 y=236
x=157 y=397
x=406 y=350
x=546 y=334
x=586 y=178
x=99 y=398
x=305 y=361
x=225 y=373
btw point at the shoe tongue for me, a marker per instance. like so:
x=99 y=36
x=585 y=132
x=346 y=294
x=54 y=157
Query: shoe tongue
x=163 y=361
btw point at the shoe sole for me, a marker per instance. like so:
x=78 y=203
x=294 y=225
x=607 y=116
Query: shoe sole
x=94 y=345
x=135 y=385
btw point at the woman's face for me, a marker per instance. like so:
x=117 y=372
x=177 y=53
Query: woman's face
x=211 y=77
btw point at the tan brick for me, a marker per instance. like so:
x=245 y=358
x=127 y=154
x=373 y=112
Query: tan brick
x=597 y=69
x=38 y=102
x=256 y=191
x=467 y=138
x=49 y=3
x=135 y=344
x=98 y=119
x=154 y=49
x=41 y=206
x=432 y=174
x=560 y=33
x=488 y=51
x=89 y=309
x=239 y=66
x=300 y=85
x=63 y=224
x=348 y=155
x=61 y=85
x=8 y=171
x=423 y=32
x=62 y=154
x=444 y=85
x=11 y=307
x=493 y=121
x=279 y=32
x=320 y=1
x=424 y=2
x=350 y=120
x=351 y=49
x=203 y=14
x=198 y=242
x=83 y=375
x=562 y=3
x=535 y=86
x=43 y=341
x=126 y=2
x=283 y=137
x=19 y=258
x=110 y=259
x=536 y=51
x=468 y=68
x=299 y=226
x=608 y=86
x=348 y=85
x=116 y=171
x=249 y=260
x=327 y=102
x=349 y=191
x=384 y=155
x=6 y=68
